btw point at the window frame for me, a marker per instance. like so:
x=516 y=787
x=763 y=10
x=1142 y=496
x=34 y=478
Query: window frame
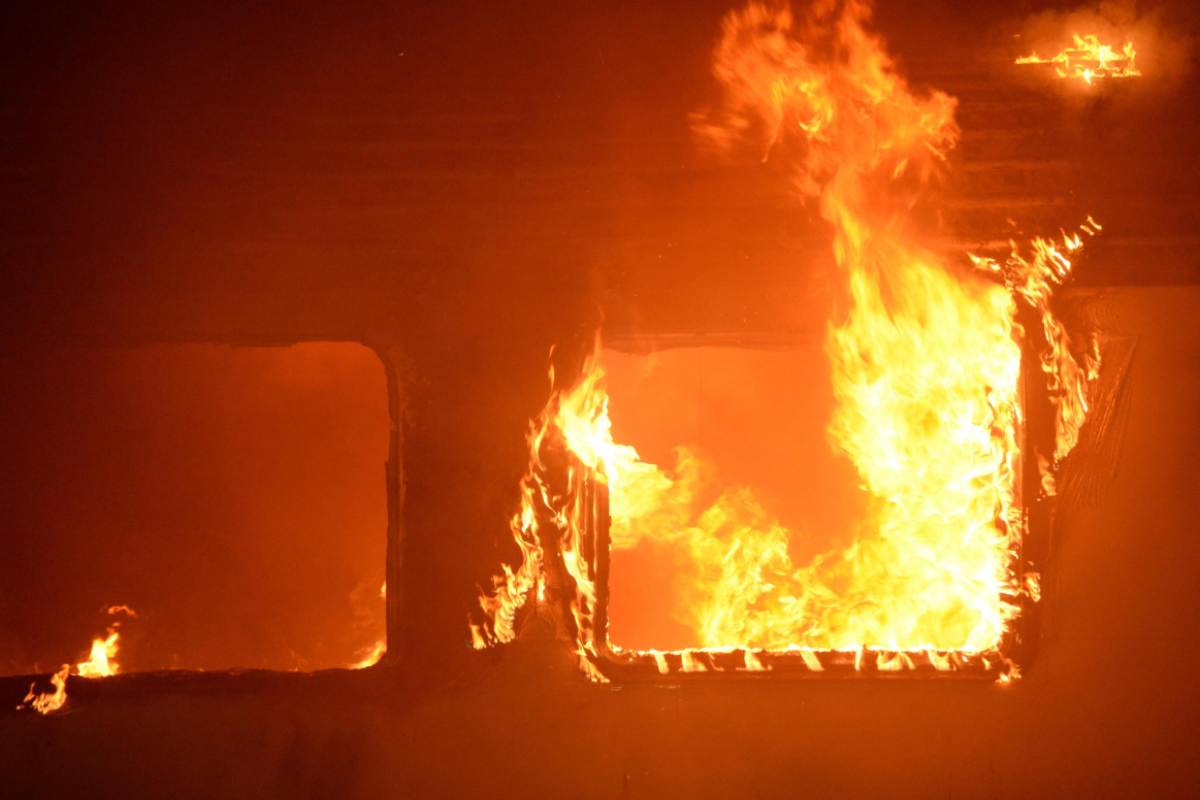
x=668 y=666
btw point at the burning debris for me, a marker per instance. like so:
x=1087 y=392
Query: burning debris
x=1089 y=60
x=926 y=363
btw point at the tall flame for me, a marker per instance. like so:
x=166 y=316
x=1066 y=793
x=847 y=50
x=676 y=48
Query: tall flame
x=926 y=362
x=1088 y=60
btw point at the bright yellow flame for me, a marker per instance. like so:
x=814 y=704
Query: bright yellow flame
x=1089 y=60
x=926 y=362
x=101 y=662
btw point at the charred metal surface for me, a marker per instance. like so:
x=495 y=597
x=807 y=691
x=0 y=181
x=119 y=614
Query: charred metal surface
x=394 y=365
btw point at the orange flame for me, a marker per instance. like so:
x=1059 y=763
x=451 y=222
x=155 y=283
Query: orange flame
x=510 y=590
x=101 y=663
x=370 y=656
x=926 y=365
x=1088 y=60
x=48 y=702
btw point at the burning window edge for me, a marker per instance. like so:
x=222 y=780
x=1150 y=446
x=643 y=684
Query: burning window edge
x=863 y=134
x=561 y=576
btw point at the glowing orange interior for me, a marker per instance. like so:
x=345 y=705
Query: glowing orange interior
x=758 y=417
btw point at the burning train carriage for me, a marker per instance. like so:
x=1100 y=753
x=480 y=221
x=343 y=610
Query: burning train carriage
x=462 y=394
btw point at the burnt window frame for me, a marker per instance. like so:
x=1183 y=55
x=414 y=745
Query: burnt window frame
x=1015 y=649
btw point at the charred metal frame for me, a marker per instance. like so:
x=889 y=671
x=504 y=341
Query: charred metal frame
x=393 y=361
x=1016 y=647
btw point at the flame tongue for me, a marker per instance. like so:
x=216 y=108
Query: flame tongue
x=925 y=363
x=101 y=661
x=1088 y=59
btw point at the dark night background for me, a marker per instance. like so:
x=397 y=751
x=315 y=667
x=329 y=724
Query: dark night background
x=462 y=185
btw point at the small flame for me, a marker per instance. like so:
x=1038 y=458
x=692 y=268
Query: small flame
x=752 y=663
x=1089 y=60
x=1033 y=586
x=942 y=662
x=893 y=662
x=48 y=702
x=120 y=608
x=101 y=663
x=370 y=656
